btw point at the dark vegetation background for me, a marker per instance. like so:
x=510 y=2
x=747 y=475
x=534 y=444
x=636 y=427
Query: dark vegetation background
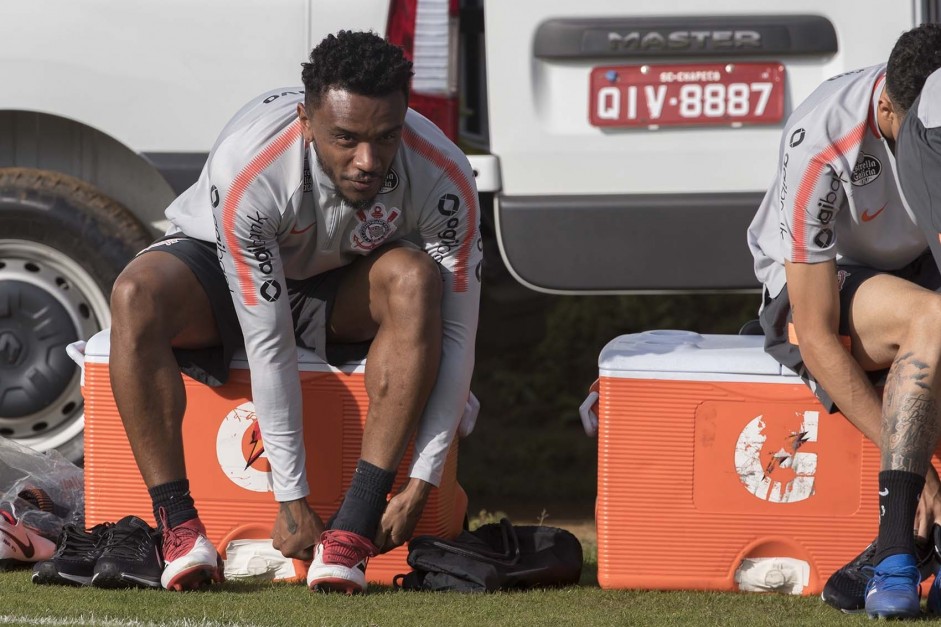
x=536 y=356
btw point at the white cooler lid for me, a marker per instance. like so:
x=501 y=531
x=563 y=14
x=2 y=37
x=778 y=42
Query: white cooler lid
x=669 y=351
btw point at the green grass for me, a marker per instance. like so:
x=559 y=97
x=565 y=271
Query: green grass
x=241 y=603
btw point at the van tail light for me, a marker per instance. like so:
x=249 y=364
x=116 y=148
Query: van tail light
x=428 y=32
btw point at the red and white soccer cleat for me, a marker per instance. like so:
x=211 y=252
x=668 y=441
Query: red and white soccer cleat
x=191 y=560
x=340 y=562
x=20 y=545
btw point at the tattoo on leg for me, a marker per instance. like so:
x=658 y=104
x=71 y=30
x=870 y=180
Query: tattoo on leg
x=910 y=426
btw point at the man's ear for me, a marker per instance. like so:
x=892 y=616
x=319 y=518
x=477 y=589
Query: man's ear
x=885 y=106
x=306 y=126
x=885 y=113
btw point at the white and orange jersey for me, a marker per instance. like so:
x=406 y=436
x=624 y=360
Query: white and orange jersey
x=274 y=215
x=836 y=193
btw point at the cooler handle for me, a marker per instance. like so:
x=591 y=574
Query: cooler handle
x=588 y=410
x=76 y=350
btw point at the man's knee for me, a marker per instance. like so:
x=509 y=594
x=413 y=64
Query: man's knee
x=144 y=303
x=133 y=296
x=926 y=322
x=412 y=281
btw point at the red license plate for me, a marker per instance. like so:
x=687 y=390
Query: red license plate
x=700 y=94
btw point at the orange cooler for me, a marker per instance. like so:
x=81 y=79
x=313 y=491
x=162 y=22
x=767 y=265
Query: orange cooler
x=229 y=474
x=719 y=470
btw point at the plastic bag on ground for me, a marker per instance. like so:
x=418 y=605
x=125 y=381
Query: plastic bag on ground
x=44 y=490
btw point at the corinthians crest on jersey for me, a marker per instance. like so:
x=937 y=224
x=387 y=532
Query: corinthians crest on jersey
x=375 y=226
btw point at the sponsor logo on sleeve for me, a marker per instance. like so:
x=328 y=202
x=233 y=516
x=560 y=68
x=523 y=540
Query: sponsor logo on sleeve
x=270 y=290
x=866 y=170
x=448 y=205
x=826 y=204
x=796 y=138
x=257 y=245
x=214 y=196
x=480 y=247
x=824 y=238
x=221 y=251
x=274 y=97
x=782 y=197
x=447 y=239
x=850 y=73
x=390 y=183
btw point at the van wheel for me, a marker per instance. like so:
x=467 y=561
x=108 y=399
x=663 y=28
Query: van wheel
x=62 y=245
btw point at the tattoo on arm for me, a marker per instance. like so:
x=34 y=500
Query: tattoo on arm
x=289 y=518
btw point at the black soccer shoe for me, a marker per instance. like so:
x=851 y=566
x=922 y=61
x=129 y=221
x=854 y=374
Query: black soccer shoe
x=846 y=588
x=73 y=563
x=130 y=557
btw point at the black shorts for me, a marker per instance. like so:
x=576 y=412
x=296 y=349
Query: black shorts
x=775 y=317
x=311 y=305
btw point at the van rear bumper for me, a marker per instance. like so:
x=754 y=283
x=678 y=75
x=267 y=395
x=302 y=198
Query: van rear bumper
x=628 y=243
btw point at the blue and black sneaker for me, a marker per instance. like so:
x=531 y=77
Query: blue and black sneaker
x=846 y=588
x=893 y=590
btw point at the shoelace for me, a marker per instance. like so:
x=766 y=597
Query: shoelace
x=131 y=543
x=175 y=540
x=895 y=579
x=866 y=556
x=346 y=548
x=75 y=541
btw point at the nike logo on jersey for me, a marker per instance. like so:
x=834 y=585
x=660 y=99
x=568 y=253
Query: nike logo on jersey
x=294 y=230
x=867 y=217
x=26 y=549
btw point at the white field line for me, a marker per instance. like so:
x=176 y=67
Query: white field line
x=12 y=619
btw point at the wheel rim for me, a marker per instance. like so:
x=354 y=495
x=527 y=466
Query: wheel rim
x=69 y=289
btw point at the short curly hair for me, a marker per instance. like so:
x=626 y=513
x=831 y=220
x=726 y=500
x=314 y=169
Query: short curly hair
x=916 y=54
x=359 y=62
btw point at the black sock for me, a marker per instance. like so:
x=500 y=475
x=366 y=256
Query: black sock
x=899 y=492
x=365 y=501
x=174 y=497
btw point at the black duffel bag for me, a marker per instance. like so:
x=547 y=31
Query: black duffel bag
x=494 y=557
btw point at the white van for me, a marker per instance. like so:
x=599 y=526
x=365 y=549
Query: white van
x=619 y=147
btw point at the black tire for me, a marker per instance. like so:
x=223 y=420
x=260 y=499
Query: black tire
x=62 y=245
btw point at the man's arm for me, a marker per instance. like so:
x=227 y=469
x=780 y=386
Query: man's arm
x=815 y=308
x=450 y=230
x=247 y=220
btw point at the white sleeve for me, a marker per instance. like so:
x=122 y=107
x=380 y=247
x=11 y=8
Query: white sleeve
x=810 y=191
x=247 y=219
x=450 y=230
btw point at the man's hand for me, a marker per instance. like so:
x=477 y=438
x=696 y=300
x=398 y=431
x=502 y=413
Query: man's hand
x=296 y=530
x=402 y=514
x=929 y=507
